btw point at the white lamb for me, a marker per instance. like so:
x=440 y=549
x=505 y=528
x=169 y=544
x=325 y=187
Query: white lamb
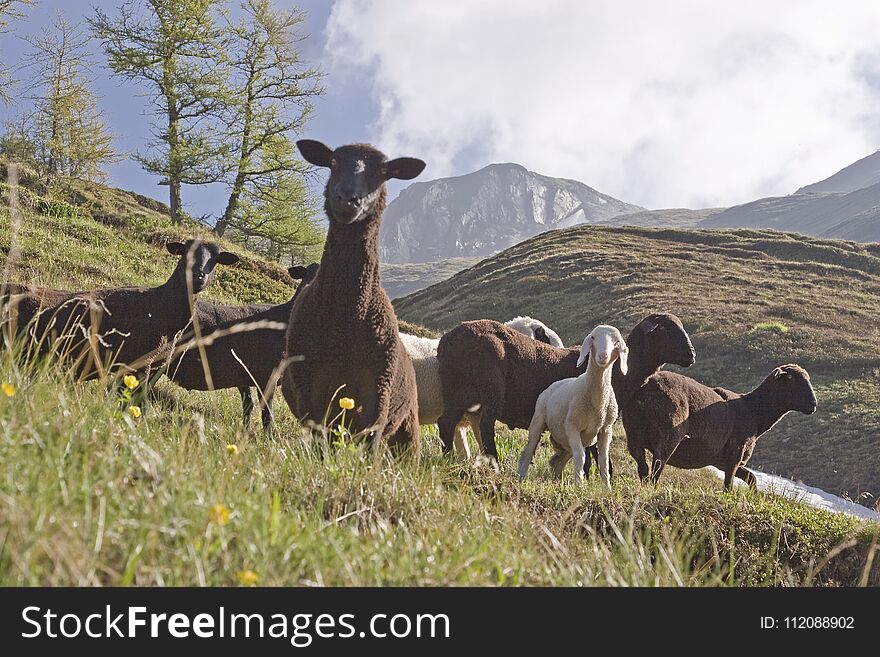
x=581 y=411
x=423 y=352
x=535 y=329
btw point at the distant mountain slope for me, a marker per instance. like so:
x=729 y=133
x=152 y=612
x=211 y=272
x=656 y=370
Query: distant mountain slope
x=853 y=215
x=728 y=287
x=858 y=175
x=400 y=279
x=484 y=212
x=668 y=218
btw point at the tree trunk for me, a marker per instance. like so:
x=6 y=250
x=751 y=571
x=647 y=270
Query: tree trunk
x=244 y=161
x=231 y=205
x=169 y=69
x=174 y=201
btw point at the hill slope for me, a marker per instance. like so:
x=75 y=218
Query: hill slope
x=79 y=235
x=483 y=212
x=724 y=285
x=667 y=218
x=858 y=175
x=853 y=215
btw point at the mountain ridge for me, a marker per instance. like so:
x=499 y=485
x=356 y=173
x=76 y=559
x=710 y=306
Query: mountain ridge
x=483 y=212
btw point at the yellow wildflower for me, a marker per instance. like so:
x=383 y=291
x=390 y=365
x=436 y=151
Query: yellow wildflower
x=220 y=514
x=247 y=577
x=131 y=381
x=346 y=402
x=134 y=411
x=232 y=449
x=8 y=389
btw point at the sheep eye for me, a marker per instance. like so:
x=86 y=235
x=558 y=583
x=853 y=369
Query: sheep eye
x=333 y=163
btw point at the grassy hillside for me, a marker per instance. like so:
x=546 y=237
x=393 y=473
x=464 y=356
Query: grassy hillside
x=78 y=235
x=183 y=496
x=749 y=299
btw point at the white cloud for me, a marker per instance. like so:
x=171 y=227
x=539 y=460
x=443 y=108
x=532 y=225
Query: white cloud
x=674 y=103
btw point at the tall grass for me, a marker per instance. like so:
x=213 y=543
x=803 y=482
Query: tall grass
x=93 y=496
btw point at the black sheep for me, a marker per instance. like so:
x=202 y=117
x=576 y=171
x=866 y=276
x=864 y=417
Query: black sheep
x=342 y=337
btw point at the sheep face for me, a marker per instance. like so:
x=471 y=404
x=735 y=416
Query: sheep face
x=357 y=177
x=792 y=389
x=199 y=260
x=603 y=346
x=664 y=335
x=304 y=274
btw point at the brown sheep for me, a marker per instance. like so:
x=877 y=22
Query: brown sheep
x=486 y=366
x=120 y=328
x=689 y=425
x=342 y=336
x=261 y=350
x=658 y=339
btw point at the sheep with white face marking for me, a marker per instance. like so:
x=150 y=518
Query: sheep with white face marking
x=536 y=329
x=342 y=336
x=580 y=411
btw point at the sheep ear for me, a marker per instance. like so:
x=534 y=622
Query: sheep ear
x=314 y=152
x=622 y=355
x=403 y=168
x=649 y=326
x=585 y=350
x=176 y=248
x=227 y=258
x=297 y=273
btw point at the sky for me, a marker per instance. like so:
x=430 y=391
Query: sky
x=683 y=103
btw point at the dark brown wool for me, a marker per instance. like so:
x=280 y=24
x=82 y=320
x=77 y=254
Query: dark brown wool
x=126 y=328
x=655 y=341
x=689 y=425
x=239 y=360
x=343 y=328
x=484 y=363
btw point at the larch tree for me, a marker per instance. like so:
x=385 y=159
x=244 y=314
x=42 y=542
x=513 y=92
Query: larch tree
x=269 y=98
x=69 y=134
x=172 y=48
x=9 y=10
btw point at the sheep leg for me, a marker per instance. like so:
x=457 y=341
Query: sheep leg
x=578 y=453
x=637 y=451
x=487 y=433
x=592 y=454
x=462 y=449
x=604 y=445
x=557 y=462
x=248 y=401
x=447 y=425
x=536 y=428
x=268 y=416
x=663 y=454
x=475 y=429
x=747 y=476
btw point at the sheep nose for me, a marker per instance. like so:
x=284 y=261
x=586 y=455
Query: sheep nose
x=348 y=199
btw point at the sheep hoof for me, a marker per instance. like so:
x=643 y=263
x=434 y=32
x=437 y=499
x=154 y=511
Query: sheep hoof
x=484 y=461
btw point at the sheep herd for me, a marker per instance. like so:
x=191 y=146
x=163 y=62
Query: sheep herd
x=338 y=337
